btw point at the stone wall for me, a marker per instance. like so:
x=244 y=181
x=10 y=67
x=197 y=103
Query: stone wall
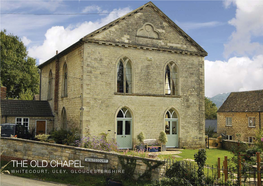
x=239 y=124
x=230 y=144
x=35 y=150
x=148 y=103
x=72 y=102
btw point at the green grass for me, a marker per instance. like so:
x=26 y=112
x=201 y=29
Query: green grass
x=212 y=155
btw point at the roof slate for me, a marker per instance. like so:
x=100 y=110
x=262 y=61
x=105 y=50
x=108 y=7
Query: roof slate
x=249 y=101
x=26 y=108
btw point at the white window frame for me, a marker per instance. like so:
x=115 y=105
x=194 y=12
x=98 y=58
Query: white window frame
x=229 y=137
x=22 y=121
x=252 y=120
x=227 y=121
x=251 y=139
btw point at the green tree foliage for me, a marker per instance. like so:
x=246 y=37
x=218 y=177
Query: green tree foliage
x=26 y=95
x=210 y=109
x=18 y=71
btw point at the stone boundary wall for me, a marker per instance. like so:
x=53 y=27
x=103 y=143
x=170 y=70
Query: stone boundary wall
x=229 y=144
x=36 y=150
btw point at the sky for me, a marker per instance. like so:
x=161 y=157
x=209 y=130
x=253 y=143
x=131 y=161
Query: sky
x=231 y=31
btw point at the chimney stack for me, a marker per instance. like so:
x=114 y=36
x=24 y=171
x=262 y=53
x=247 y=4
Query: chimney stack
x=3 y=93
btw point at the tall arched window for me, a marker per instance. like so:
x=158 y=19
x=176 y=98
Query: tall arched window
x=65 y=81
x=124 y=128
x=171 y=79
x=64 y=124
x=124 y=76
x=50 y=85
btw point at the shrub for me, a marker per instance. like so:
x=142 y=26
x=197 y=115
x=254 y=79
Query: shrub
x=200 y=159
x=42 y=137
x=141 y=137
x=163 y=138
x=63 y=136
x=181 y=172
x=98 y=143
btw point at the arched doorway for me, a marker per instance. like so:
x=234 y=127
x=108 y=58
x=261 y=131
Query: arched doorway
x=171 y=128
x=124 y=129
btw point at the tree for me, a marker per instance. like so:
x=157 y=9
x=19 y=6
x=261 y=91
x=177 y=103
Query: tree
x=210 y=109
x=18 y=71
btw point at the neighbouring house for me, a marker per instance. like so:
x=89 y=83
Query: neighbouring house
x=240 y=116
x=139 y=73
x=36 y=115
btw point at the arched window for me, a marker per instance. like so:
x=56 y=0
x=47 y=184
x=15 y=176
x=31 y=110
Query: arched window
x=50 y=85
x=65 y=81
x=171 y=79
x=64 y=119
x=124 y=76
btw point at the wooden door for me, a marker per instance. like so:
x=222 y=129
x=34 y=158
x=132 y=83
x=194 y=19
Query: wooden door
x=41 y=127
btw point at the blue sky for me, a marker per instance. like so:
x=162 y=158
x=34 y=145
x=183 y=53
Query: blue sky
x=231 y=31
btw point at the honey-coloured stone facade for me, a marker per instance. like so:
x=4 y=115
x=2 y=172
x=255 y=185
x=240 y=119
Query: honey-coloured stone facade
x=150 y=40
x=240 y=129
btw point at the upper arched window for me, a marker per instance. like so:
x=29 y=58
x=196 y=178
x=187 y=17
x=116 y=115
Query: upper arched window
x=65 y=81
x=64 y=119
x=171 y=79
x=124 y=76
x=50 y=85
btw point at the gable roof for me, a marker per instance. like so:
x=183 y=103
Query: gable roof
x=26 y=108
x=249 y=101
x=89 y=37
x=202 y=52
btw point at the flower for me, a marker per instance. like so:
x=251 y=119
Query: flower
x=261 y=139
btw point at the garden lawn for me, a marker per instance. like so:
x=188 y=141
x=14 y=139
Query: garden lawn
x=212 y=155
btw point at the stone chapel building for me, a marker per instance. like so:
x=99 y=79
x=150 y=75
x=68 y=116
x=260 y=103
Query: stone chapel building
x=139 y=73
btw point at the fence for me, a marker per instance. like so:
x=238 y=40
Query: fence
x=241 y=175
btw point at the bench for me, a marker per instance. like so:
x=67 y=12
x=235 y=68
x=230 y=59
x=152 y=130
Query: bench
x=151 y=142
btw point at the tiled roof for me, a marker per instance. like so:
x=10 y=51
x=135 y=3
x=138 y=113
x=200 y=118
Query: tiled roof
x=26 y=108
x=249 y=101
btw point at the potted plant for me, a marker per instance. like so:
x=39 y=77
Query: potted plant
x=140 y=138
x=163 y=140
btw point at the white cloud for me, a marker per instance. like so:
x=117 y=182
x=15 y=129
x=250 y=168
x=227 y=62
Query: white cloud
x=25 y=40
x=34 y=5
x=249 y=24
x=236 y=74
x=93 y=8
x=24 y=24
x=194 y=25
x=59 y=38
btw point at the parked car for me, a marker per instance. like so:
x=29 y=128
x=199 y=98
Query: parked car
x=8 y=129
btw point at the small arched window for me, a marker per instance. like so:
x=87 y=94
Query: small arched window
x=65 y=81
x=50 y=85
x=171 y=122
x=124 y=76
x=171 y=79
x=64 y=119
